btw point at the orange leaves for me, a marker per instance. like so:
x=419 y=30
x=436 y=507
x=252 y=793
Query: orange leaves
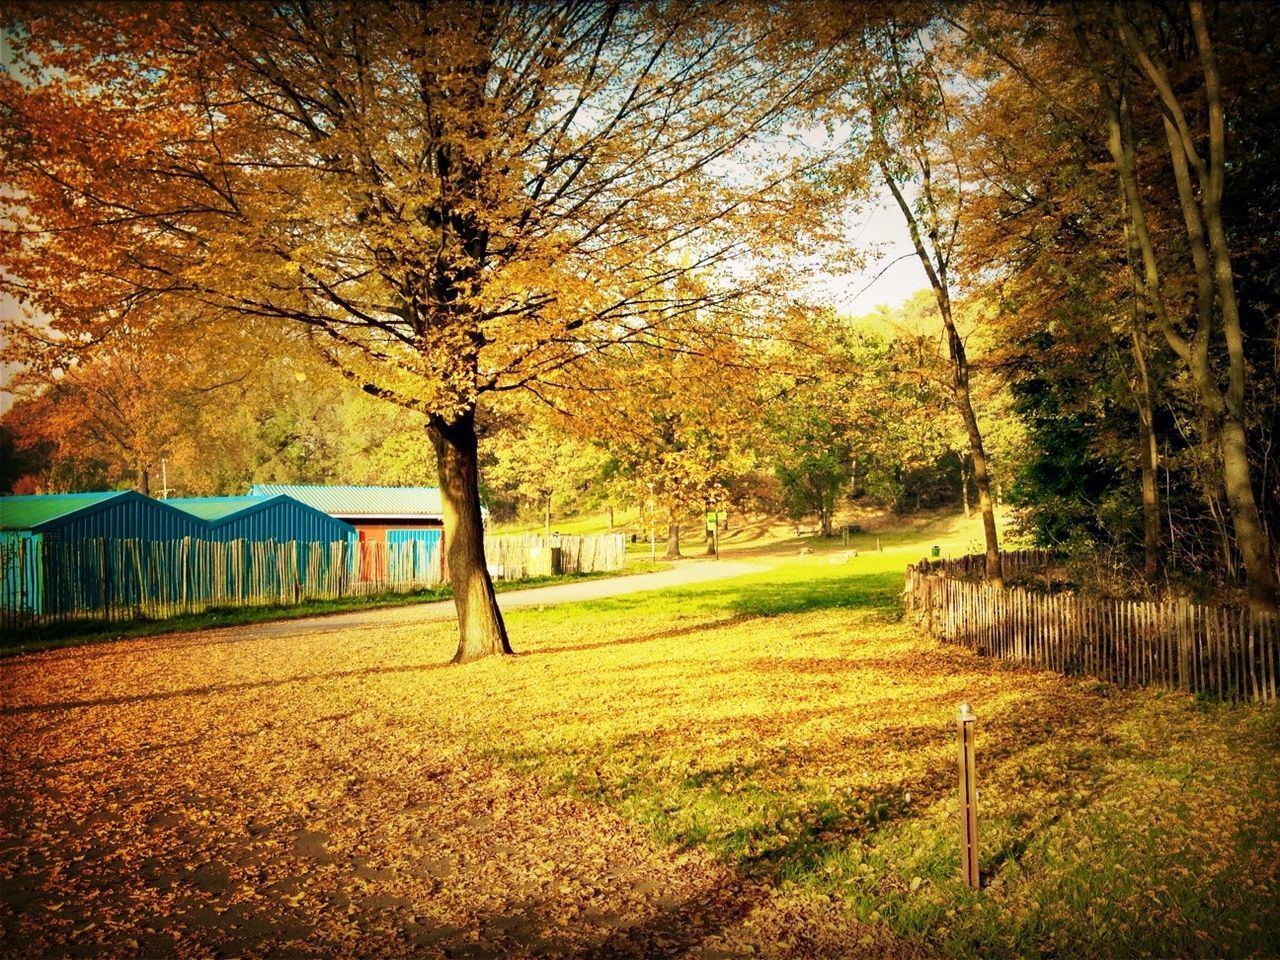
x=453 y=204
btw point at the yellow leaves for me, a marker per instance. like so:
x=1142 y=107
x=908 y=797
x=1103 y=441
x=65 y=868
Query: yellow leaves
x=487 y=211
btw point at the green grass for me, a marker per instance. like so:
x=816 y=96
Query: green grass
x=794 y=726
x=625 y=520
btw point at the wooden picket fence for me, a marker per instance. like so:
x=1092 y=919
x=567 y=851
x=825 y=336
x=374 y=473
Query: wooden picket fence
x=534 y=555
x=116 y=580
x=1233 y=654
x=126 y=579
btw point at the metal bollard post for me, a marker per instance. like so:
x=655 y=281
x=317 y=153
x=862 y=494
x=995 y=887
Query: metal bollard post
x=968 y=798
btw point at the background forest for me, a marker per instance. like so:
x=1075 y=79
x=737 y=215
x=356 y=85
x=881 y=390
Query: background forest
x=871 y=425
x=1090 y=193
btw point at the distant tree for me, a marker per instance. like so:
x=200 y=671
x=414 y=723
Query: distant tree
x=679 y=428
x=906 y=110
x=123 y=410
x=538 y=460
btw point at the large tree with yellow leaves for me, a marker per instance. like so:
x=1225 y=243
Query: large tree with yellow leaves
x=451 y=199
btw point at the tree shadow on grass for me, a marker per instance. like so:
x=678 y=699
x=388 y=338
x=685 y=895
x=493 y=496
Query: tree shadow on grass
x=789 y=831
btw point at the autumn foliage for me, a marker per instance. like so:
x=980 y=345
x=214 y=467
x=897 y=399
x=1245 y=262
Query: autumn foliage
x=451 y=200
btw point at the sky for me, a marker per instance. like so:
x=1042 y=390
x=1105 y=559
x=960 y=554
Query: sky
x=891 y=274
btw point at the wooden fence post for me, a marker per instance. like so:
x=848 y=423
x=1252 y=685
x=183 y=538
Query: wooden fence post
x=968 y=798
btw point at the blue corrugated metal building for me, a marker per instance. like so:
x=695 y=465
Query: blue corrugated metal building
x=115 y=515
x=40 y=537
x=371 y=510
x=386 y=519
x=278 y=518
x=44 y=566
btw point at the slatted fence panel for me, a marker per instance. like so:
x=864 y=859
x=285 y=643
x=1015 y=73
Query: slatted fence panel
x=1231 y=653
x=118 y=580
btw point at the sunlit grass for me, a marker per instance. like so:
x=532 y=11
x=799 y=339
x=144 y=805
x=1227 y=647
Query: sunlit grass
x=793 y=725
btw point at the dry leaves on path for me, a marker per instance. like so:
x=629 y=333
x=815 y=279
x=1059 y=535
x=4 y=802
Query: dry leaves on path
x=223 y=794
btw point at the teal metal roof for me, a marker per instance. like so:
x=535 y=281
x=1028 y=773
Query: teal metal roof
x=214 y=508
x=347 y=502
x=23 y=513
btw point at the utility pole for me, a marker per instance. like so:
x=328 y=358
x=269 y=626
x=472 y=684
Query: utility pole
x=164 y=479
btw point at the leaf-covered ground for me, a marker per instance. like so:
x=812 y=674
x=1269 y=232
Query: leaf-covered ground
x=754 y=767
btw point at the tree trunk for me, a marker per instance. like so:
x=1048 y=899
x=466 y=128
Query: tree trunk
x=1150 y=489
x=960 y=390
x=1251 y=535
x=964 y=487
x=144 y=479
x=673 y=541
x=935 y=258
x=1251 y=538
x=547 y=518
x=959 y=380
x=1147 y=455
x=611 y=518
x=481 y=631
x=1201 y=214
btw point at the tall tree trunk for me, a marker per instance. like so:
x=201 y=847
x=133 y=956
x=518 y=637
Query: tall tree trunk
x=1251 y=535
x=481 y=631
x=964 y=486
x=936 y=269
x=547 y=517
x=673 y=541
x=1148 y=464
x=936 y=260
x=1212 y=263
x=611 y=518
x=960 y=391
x=981 y=478
x=144 y=478
x=1148 y=460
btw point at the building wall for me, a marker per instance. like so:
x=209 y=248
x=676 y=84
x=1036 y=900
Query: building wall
x=377 y=529
x=130 y=517
x=381 y=549
x=283 y=521
x=22 y=581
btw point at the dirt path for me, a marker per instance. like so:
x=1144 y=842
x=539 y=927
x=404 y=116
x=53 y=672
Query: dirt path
x=683 y=573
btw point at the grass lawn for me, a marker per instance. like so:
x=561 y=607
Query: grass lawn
x=755 y=766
